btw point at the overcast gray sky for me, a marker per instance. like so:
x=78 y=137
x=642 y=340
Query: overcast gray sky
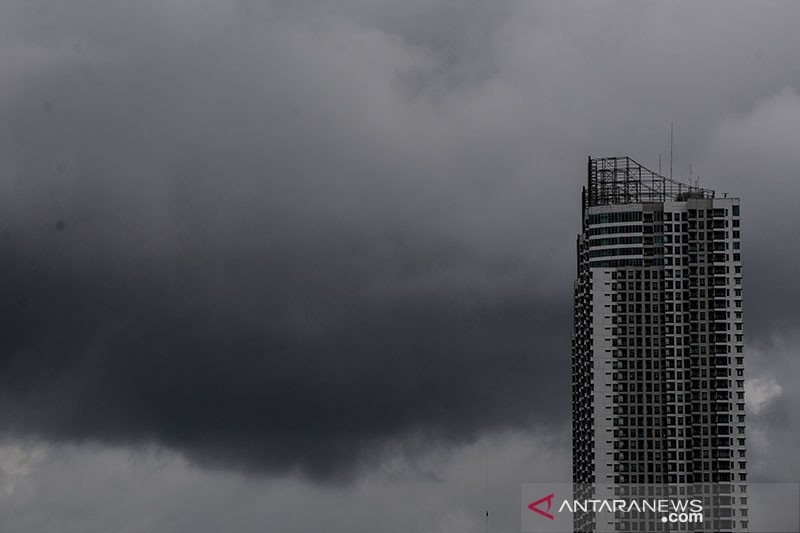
x=295 y=265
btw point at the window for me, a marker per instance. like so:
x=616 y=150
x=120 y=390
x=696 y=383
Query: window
x=610 y=218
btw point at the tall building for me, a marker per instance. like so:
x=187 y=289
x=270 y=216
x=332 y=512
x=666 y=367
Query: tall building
x=657 y=352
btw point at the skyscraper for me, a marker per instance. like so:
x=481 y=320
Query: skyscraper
x=657 y=351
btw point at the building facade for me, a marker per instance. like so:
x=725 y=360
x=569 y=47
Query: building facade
x=657 y=351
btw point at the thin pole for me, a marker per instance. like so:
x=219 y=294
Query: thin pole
x=487 y=488
x=671 y=126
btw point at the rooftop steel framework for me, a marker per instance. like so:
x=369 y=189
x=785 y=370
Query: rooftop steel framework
x=621 y=180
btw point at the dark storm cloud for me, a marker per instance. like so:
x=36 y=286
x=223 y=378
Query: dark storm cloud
x=274 y=360
x=247 y=245
x=286 y=235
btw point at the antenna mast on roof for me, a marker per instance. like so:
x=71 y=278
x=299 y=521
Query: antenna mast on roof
x=671 y=126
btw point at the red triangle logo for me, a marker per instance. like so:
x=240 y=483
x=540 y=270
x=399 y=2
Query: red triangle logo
x=533 y=507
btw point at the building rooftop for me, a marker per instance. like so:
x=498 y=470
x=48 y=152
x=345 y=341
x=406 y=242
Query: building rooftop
x=621 y=180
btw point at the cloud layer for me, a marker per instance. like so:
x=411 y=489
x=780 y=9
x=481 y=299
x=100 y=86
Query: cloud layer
x=149 y=490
